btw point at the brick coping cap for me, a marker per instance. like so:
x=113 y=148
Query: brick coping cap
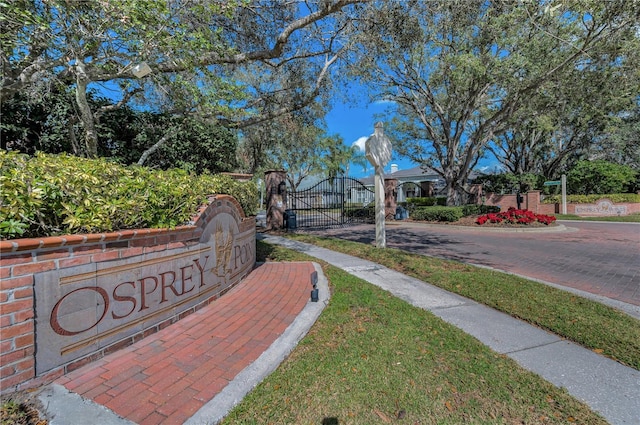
x=27 y=244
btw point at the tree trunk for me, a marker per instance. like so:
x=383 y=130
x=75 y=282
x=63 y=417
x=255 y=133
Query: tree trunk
x=155 y=147
x=90 y=133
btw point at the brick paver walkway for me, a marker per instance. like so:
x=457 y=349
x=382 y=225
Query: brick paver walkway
x=600 y=258
x=168 y=376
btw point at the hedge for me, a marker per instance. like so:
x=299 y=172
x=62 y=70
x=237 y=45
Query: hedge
x=48 y=195
x=592 y=199
x=437 y=214
x=474 y=209
x=426 y=201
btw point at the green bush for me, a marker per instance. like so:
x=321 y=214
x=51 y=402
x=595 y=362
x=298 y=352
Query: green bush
x=47 y=195
x=592 y=177
x=474 y=209
x=592 y=199
x=438 y=213
x=427 y=201
x=363 y=213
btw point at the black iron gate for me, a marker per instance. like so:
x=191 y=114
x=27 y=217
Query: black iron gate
x=342 y=201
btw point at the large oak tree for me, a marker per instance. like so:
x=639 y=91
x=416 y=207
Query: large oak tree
x=193 y=48
x=460 y=71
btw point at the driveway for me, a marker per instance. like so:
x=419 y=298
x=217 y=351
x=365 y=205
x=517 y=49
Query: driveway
x=600 y=258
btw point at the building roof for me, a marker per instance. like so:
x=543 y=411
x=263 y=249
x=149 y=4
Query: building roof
x=415 y=174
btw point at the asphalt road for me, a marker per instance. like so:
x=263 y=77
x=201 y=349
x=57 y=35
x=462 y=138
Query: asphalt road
x=596 y=257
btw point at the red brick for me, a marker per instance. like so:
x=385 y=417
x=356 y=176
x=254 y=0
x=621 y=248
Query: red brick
x=105 y=256
x=52 y=255
x=39 y=267
x=26 y=364
x=130 y=252
x=29 y=243
x=154 y=419
x=53 y=242
x=175 y=245
x=42 y=380
x=5 y=321
x=78 y=379
x=74 y=239
x=23 y=293
x=7 y=246
x=13 y=306
x=9 y=260
x=7 y=370
x=93 y=238
x=110 y=237
x=85 y=250
x=83 y=361
x=13 y=356
x=6 y=346
x=126 y=234
x=5 y=272
x=75 y=261
x=23 y=315
x=16 y=282
x=16 y=379
x=155 y=248
x=17 y=330
x=24 y=341
x=4 y=296
x=143 y=242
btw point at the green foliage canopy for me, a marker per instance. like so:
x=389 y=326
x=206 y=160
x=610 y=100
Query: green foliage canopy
x=597 y=177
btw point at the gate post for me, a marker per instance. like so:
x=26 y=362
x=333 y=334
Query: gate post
x=276 y=188
x=390 y=193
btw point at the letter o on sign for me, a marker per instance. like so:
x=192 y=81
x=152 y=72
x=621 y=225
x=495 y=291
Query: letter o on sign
x=55 y=324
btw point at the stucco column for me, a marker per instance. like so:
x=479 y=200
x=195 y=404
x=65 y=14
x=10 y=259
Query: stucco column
x=532 y=200
x=390 y=193
x=276 y=188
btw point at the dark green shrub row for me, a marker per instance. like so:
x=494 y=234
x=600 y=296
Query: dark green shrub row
x=474 y=209
x=368 y=212
x=592 y=199
x=437 y=214
x=48 y=195
x=426 y=202
x=451 y=214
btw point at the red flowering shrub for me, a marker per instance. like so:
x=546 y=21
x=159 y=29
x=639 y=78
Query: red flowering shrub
x=515 y=216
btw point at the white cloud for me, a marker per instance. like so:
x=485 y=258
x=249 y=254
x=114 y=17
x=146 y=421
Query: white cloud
x=384 y=102
x=360 y=143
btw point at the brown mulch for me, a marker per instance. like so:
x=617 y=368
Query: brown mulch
x=20 y=409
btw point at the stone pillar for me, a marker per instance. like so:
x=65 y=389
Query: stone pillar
x=390 y=194
x=427 y=189
x=476 y=192
x=276 y=189
x=532 y=201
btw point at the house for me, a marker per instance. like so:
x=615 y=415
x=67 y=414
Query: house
x=415 y=182
x=412 y=183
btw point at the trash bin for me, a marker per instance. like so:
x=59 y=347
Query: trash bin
x=401 y=213
x=290 y=219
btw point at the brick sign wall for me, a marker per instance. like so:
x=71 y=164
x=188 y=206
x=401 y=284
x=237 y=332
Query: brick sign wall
x=66 y=301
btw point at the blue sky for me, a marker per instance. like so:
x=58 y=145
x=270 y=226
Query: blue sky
x=355 y=124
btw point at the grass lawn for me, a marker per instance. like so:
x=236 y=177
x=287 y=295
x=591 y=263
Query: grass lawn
x=632 y=218
x=588 y=323
x=372 y=358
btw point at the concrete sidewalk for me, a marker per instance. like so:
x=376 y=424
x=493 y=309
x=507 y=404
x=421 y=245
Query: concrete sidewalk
x=608 y=387
x=188 y=390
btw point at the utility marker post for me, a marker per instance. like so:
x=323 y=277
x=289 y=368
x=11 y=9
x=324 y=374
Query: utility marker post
x=564 y=193
x=378 y=152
